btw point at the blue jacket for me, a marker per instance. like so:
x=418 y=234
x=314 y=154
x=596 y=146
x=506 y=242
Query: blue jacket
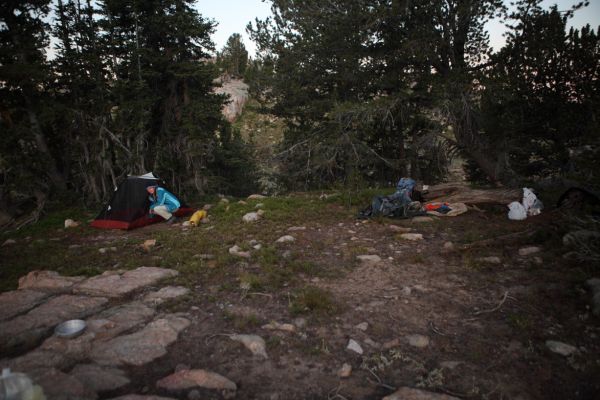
x=164 y=198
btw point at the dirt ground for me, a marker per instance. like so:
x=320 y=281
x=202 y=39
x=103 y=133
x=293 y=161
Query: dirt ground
x=438 y=317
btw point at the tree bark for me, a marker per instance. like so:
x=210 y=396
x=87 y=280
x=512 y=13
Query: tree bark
x=461 y=193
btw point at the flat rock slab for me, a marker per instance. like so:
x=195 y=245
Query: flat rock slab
x=26 y=330
x=112 y=284
x=49 y=281
x=60 y=386
x=187 y=379
x=17 y=302
x=99 y=379
x=38 y=359
x=140 y=347
x=116 y=320
x=166 y=293
x=406 y=393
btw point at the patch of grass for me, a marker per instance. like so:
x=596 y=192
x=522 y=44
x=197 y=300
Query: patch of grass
x=268 y=256
x=242 y=322
x=311 y=299
x=519 y=321
x=251 y=282
x=470 y=262
x=303 y=266
x=417 y=259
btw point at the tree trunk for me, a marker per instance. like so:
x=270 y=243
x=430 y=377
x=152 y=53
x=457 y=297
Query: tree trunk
x=55 y=176
x=462 y=193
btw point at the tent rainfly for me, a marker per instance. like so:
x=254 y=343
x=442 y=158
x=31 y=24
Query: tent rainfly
x=129 y=205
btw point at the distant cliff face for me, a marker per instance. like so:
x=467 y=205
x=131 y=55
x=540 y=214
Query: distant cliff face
x=238 y=96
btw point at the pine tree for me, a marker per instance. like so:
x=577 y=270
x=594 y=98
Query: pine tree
x=233 y=58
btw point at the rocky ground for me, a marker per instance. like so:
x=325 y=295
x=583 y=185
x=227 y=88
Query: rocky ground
x=303 y=301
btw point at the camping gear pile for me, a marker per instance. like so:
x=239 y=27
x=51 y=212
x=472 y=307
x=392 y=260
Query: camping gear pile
x=406 y=202
x=530 y=206
x=128 y=208
x=398 y=205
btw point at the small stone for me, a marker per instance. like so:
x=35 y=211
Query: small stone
x=406 y=291
x=254 y=343
x=260 y=213
x=560 y=348
x=237 y=251
x=259 y=206
x=185 y=224
x=102 y=250
x=449 y=246
x=224 y=201
x=369 y=260
x=242 y=202
x=399 y=229
x=345 y=371
x=406 y=393
x=450 y=364
x=411 y=236
x=276 y=326
x=362 y=326
x=286 y=254
x=418 y=341
x=296 y=228
x=491 y=260
x=148 y=244
x=257 y=246
x=193 y=378
x=69 y=223
x=391 y=344
x=537 y=260
x=371 y=343
x=354 y=346
x=256 y=196
x=286 y=239
x=300 y=322
x=204 y=256
x=251 y=217
x=207 y=207
x=525 y=251
x=422 y=219
x=8 y=242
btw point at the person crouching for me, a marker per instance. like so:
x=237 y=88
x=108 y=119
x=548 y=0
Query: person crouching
x=163 y=203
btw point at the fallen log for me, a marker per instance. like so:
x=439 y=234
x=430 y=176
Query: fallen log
x=462 y=193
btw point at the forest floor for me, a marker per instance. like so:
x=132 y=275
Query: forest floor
x=428 y=314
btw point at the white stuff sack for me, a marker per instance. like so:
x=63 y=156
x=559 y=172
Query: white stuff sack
x=516 y=211
x=532 y=205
